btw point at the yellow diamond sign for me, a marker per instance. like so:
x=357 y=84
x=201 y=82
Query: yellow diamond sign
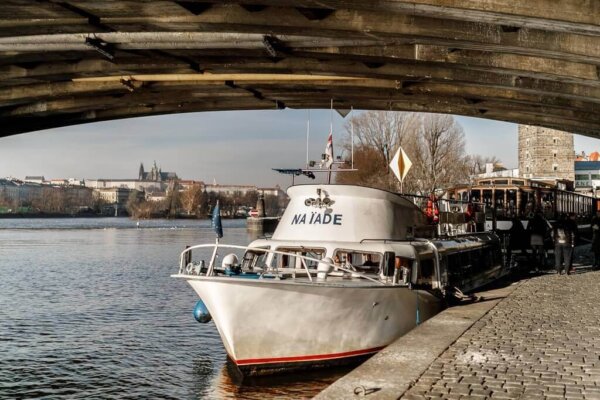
x=400 y=164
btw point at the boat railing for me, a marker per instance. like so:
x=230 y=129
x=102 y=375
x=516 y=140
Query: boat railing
x=444 y=204
x=188 y=268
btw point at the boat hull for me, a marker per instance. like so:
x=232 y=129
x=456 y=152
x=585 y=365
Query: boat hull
x=273 y=325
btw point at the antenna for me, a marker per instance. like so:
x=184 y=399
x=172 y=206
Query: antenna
x=310 y=170
x=331 y=117
x=307 y=136
x=331 y=133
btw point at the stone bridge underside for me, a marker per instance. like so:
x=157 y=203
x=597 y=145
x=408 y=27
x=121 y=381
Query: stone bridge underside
x=76 y=61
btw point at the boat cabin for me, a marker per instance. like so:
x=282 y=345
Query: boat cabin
x=349 y=235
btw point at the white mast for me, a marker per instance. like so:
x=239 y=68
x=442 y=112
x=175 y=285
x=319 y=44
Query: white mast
x=307 y=136
x=331 y=133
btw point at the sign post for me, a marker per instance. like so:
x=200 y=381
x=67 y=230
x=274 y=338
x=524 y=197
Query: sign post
x=400 y=165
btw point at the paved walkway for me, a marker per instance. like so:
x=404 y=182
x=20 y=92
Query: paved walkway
x=392 y=371
x=541 y=342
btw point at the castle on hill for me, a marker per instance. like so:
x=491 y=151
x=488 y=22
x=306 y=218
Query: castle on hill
x=155 y=174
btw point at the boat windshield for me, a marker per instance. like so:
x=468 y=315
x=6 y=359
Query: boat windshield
x=254 y=259
x=289 y=261
x=359 y=260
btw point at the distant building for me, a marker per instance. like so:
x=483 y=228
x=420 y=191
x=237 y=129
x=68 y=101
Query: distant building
x=142 y=186
x=275 y=191
x=155 y=174
x=43 y=198
x=498 y=171
x=587 y=177
x=593 y=156
x=35 y=179
x=185 y=184
x=117 y=196
x=546 y=154
x=76 y=182
x=19 y=192
x=59 y=182
x=156 y=196
x=153 y=181
x=230 y=189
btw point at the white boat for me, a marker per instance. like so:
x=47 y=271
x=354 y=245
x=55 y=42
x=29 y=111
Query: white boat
x=344 y=275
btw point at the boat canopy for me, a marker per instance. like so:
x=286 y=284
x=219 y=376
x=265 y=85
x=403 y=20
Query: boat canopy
x=347 y=213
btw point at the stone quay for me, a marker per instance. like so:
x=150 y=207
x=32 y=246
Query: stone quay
x=538 y=338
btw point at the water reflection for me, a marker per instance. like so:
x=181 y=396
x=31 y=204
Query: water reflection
x=230 y=384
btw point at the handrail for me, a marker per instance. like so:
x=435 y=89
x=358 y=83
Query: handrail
x=306 y=268
x=303 y=258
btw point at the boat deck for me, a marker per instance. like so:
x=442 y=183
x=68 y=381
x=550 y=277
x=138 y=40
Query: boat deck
x=301 y=279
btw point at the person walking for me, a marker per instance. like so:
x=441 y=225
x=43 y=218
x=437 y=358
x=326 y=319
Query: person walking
x=537 y=227
x=572 y=227
x=564 y=241
x=516 y=240
x=595 y=225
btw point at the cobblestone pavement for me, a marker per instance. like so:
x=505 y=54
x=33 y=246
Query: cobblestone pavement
x=542 y=342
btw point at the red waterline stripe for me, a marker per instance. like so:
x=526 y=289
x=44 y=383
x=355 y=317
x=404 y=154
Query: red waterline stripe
x=307 y=358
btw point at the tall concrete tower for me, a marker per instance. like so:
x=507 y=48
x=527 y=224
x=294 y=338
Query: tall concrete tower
x=546 y=153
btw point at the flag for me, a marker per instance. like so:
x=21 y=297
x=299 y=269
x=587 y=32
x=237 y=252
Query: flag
x=329 y=151
x=216 y=221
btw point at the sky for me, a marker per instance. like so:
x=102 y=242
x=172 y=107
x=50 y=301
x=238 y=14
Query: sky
x=229 y=147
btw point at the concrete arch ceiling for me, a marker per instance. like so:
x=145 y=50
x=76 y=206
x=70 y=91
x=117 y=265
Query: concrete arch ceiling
x=76 y=61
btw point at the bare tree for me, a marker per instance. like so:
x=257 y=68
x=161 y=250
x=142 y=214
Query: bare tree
x=4 y=198
x=134 y=201
x=371 y=166
x=381 y=130
x=191 y=198
x=434 y=143
x=476 y=163
x=439 y=156
x=52 y=200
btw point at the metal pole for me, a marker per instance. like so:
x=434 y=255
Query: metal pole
x=211 y=266
x=352 y=136
x=307 y=137
x=331 y=117
x=331 y=132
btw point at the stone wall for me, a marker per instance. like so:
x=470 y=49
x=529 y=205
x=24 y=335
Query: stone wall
x=546 y=153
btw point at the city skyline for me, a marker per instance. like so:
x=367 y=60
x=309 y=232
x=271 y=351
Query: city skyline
x=234 y=147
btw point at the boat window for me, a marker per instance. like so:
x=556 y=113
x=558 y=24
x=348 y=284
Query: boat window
x=465 y=261
x=360 y=260
x=487 y=197
x=511 y=202
x=291 y=261
x=527 y=205
x=455 y=272
x=426 y=272
x=254 y=259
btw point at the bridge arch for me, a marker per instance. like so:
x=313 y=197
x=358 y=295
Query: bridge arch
x=76 y=61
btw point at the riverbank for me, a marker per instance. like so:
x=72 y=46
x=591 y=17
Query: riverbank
x=535 y=338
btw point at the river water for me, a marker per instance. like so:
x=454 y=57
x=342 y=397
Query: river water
x=88 y=310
